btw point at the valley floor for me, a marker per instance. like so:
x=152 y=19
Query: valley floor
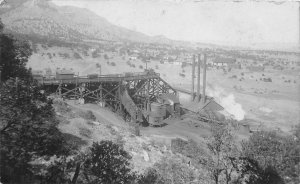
x=267 y=105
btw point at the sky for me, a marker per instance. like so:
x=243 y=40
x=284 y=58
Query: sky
x=232 y=23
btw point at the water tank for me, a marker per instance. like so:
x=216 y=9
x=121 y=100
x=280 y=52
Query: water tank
x=158 y=110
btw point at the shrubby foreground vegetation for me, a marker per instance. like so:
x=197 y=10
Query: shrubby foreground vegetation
x=33 y=150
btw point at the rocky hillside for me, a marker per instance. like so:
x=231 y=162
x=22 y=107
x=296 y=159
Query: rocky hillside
x=41 y=17
x=9 y=5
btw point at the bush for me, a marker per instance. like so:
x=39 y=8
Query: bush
x=189 y=149
x=267 y=79
x=85 y=53
x=109 y=163
x=182 y=75
x=177 y=145
x=106 y=57
x=274 y=151
x=74 y=142
x=62 y=107
x=119 y=140
x=113 y=64
x=64 y=55
x=249 y=171
x=141 y=67
x=151 y=176
x=183 y=64
x=85 y=132
x=49 y=55
x=77 y=56
x=222 y=149
x=174 y=170
x=89 y=122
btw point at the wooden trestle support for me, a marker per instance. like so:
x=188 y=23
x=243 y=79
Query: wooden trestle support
x=142 y=91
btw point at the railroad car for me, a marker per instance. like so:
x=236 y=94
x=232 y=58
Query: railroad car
x=64 y=74
x=92 y=76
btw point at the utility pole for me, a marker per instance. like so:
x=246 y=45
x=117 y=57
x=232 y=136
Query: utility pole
x=193 y=78
x=204 y=78
x=198 y=79
x=0 y=73
x=100 y=72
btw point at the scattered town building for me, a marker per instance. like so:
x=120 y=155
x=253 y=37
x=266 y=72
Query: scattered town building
x=256 y=68
x=133 y=57
x=221 y=62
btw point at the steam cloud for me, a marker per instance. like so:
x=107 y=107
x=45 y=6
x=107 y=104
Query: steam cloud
x=227 y=101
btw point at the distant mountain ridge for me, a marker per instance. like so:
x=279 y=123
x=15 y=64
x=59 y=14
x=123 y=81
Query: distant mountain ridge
x=44 y=18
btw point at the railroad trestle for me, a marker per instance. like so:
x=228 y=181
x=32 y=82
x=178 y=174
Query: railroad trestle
x=109 y=92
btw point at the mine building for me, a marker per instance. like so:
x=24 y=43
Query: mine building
x=206 y=107
x=222 y=62
x=141 y=97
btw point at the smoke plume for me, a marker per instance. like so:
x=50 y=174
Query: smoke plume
x=227 y=100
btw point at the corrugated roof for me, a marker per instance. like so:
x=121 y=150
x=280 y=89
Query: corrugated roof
x=196 y=106
x=212 y=105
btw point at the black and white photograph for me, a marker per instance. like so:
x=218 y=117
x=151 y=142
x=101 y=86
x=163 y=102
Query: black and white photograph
x=149 y=92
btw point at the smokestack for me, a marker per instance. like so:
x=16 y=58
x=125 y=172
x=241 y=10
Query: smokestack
x=204 y=78
x=198 y=79
x=193 y=77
